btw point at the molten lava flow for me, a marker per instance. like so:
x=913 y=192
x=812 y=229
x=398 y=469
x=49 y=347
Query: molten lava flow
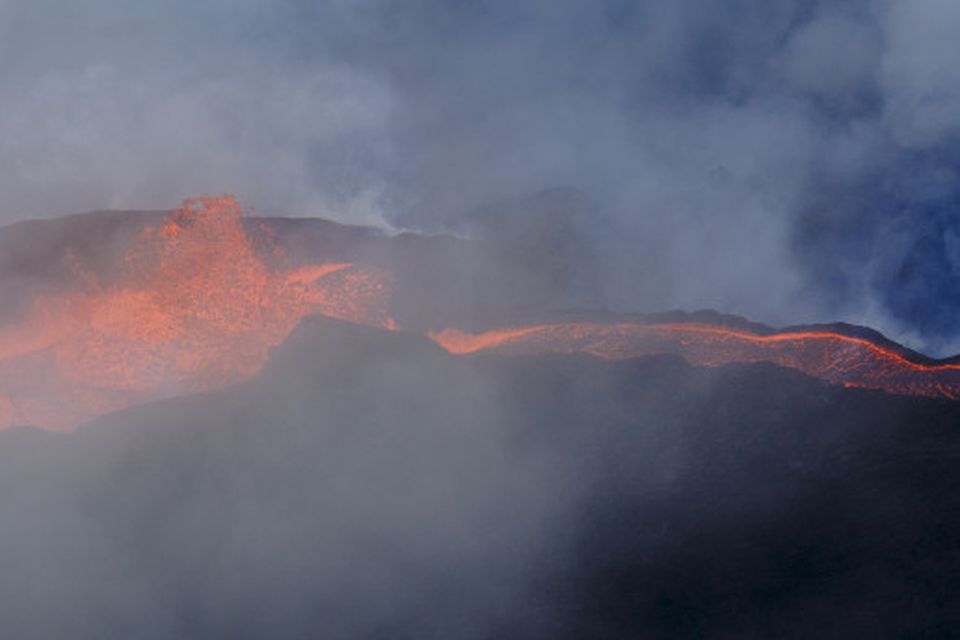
x=833 y=357
x=199 y=304
x=200 y=300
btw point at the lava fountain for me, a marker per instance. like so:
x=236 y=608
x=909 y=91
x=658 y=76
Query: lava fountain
x=198 y=306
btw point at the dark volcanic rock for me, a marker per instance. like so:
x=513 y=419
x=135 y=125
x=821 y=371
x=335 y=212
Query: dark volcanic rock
x=369 y=485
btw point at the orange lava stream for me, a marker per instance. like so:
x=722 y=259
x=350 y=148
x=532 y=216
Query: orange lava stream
x=833 y=357
x=200 y=304
x=201 y=300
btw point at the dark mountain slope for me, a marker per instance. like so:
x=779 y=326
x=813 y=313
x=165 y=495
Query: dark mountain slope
x=369 y=485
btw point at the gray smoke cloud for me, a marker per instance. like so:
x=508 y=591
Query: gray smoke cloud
x=787 y=160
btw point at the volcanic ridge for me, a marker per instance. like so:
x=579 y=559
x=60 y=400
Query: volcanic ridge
x=115 y=309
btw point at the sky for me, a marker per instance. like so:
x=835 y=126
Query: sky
x=790 y=161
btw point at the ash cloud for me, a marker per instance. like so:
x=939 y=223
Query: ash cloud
x=789 y=161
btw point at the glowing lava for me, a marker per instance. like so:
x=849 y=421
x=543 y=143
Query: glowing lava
x=200 y=300
x=199 y=304
x=836 y=358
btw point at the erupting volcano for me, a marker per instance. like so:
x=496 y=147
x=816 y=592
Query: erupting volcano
x=199 y=303
x=201 y=299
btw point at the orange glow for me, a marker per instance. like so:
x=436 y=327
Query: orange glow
x=836 y=358
x=201 y=300
x=198 y=307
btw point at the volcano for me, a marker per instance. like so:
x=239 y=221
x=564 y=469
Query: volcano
x=295 y=428
x=193 y=300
